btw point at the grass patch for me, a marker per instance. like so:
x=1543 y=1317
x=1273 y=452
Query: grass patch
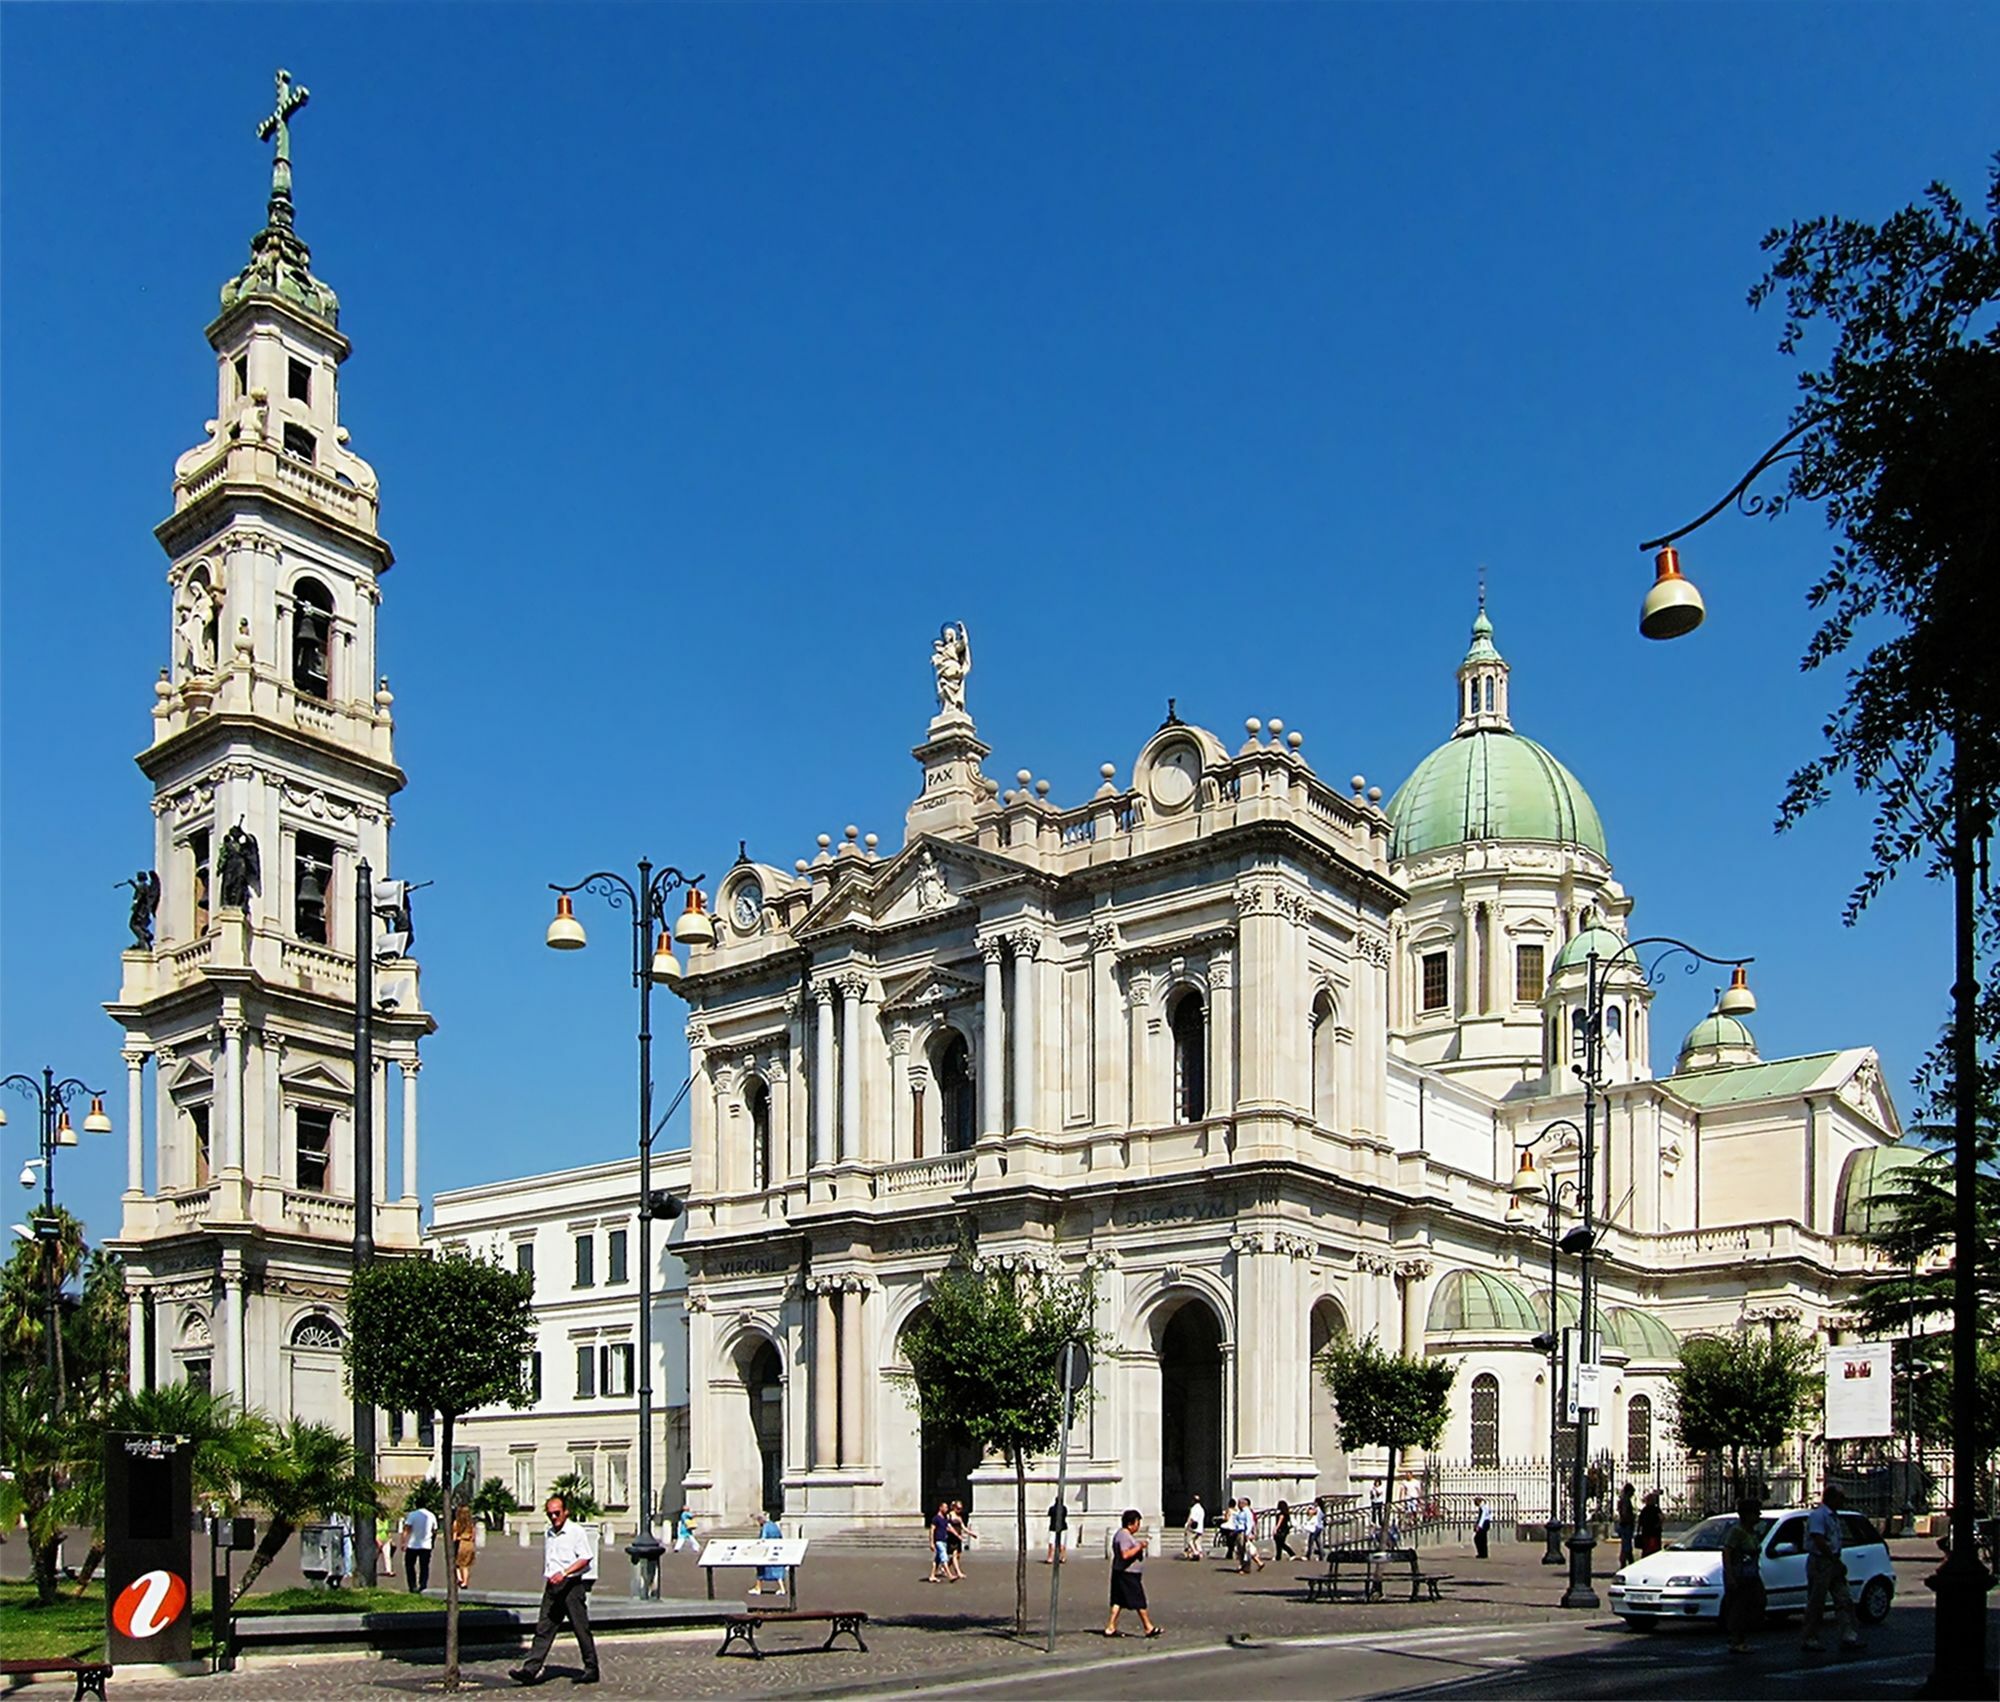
x=73 y=1625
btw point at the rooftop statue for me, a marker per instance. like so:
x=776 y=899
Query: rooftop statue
x=951 y=658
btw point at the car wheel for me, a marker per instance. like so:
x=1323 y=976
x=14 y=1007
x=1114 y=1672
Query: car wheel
x=1874 y=1604
x=1638 y=1621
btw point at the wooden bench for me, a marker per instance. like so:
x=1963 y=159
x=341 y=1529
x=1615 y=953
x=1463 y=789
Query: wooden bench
x=742 y=1627
x=91 y=1676
x=1431 y=1582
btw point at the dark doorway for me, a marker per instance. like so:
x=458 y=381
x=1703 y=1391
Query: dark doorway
x=767 y=1419
x=958 y=1114
x=946 y=1462
x=1190 y=1411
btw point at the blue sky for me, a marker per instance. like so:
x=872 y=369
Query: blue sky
x=711 y=356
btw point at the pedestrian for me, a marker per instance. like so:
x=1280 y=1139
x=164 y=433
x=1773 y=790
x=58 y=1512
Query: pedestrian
x=569 y=1568
x=1197 y=1521
x=1826 y=1573
x=1316 y=1533
x=1628 y=1524
x=1743 y=1595
x=773 y=1575
x=1377 y=1521
x=464 y=1543
x=684 y=1531
x=963 y=1536
x=418 y=1531
x=1281 y=1534
x=940 y=1537
x=954 y=1538
x=1128 y=1584
x=1482 y=1525
x=1246 y=1538
x=1058 y=1534
x=1593 y=1487
x=1651 y=1524
x=344 y=1559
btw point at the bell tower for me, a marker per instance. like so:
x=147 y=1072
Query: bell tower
x=272 y=762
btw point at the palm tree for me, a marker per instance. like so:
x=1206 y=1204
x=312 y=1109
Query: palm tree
x=33 y=1453
x=36 y=1268
x=309 y=1473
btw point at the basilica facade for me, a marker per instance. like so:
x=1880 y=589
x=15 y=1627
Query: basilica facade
x=1262 y=1056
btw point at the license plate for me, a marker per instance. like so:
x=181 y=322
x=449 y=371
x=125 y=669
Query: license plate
x=1642 y=1598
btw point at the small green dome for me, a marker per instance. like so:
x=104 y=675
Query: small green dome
x=1642 y=1335
x=1566 y=1312
x=1602 y=941
x=1716 y=1032
x=1491 y=784
x=1866 y=1204
x=1481 y=1301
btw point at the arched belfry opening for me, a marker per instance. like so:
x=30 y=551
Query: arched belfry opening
x=1191 y=1406
x=1188 y=1022
x=958 y=1111
x=312 y=637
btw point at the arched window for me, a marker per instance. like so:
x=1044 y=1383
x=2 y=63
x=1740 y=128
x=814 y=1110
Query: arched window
x=958 y=1111
x=757 y=1102
x=1324 y=1064
x=1189 y=1024
x=1639 y=1433
x=1489 y=693
x=316 y=1329
x=312 y=635
x=1486 y=1419
x=1577 y=1035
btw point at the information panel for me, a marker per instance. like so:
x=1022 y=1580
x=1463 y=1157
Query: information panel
x=1860 y=1384
x=148 y=1548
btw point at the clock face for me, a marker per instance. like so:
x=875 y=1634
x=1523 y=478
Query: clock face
x=1176 y=773
x=747 y=905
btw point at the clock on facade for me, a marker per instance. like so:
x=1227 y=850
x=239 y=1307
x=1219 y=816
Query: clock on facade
x=747 y=905
x=1176 y=773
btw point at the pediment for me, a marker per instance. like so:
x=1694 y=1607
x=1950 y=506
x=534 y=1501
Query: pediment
x=1865 y=1090
x=192 y=1074
x=317 y=1077
x=928 y=877
x=929 y=987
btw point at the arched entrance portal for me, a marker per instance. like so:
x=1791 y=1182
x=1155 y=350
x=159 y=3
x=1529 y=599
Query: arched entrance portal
x=1190 y=1410
x=1329 y=1325
x=763 y=1385
x=946 y=1463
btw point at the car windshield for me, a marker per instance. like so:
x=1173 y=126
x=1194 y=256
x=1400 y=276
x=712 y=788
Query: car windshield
x=1706 y=1537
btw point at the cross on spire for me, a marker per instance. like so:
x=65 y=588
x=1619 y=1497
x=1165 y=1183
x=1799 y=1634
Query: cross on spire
x=290 y=99
x=1482 y=588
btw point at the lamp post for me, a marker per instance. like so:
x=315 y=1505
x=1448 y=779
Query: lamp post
x=1736 y=1000
x=52 y=1099
x=652 y=960
x=1528 y=1185
x=1672 y=609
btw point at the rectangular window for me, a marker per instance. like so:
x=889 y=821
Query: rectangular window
x=312 y=887
x=614 y=1256
x=1528 y=977
x=524 y=1258
x=524 y=1478
x=299 y=381
x=195 y=1373
x=397 y=1424
x=315 y=1148
x=198 y=1128
x=584 y=1464
x=616 y=1363
x=300 y=442
x=586 y=1374
x=427 y=1430
x=242 y=364
x=535 y=1376
x=198 y=849
x=617 y=1481
x=1437 y=980
x=586 y=1261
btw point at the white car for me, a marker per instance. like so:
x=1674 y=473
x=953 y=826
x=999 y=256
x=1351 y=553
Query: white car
x=1684 y=1580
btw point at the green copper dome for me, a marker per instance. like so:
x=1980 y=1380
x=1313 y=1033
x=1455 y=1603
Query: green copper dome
x=1718 y=1033
x=1602 y=941
x=1642 y=1335
x=1491 y=784
x=1479 y=1300
x=1868 y=1201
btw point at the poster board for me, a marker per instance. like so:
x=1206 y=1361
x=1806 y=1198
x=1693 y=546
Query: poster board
x=1860 y=1391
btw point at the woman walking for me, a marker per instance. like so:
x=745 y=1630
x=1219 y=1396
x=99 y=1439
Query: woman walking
x=1628 y=1525
x=1743 y=1597
x=1246 y=1538
x=1651 y=1524
x=464 y=1543
x=1281 y=1534
x=1128 y=1584
x=1316 y=1533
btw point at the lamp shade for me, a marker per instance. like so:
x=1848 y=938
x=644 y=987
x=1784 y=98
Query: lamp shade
x=3 y=1117
x=65 y=1134
x=565 y=932
x=98 y=1122
x=27 y=1175
x=1737 y=999
x=694 y=928
x=666 y=967
x=1527 y=1183
x=1673 y=606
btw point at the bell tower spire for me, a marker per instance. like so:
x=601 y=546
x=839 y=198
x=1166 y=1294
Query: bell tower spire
x=1482 y=678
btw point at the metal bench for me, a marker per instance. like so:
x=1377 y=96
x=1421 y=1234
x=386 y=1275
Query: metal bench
x=91 y=1676
x=742 y=1627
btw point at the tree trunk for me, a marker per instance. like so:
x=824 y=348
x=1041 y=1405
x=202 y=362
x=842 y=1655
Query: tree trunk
x=450 y=1547
x=1021 y=1543
x=1388 y=1500
x=43 y=1554
x=276 y=1534
x=91 y=1562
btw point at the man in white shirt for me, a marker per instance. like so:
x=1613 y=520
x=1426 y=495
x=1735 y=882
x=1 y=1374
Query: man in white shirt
x=569 y=1568
x=1197 y=1519
x=1826 y=1572
x=419 y=1532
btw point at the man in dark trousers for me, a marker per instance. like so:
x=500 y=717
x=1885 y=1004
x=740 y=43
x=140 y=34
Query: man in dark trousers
x=569 y=1568
x=1482 y=1525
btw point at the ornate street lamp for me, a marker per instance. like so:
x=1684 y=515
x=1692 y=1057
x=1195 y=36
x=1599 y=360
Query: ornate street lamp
x=1961 y=1584
x=52 y=1099
x=653 y=961
x=1528 y=1185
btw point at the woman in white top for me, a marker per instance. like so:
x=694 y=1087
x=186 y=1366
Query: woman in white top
x=1197 y=1518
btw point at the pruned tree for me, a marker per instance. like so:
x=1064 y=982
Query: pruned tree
x=985 y=1366
x=1748 y=1389
x=1396 y=1401
x=308 y=1472
x=448 y=1334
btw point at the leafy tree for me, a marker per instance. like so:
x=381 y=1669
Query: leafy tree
x=1387 y=1400
x=985 y=1358
x=494 y=1502
x=578 y=1497
x=426 y=1493
x=308 y=1473
x=1748 y=1389
x=35 y=1268
x=446 y=1334
x=32 y=1448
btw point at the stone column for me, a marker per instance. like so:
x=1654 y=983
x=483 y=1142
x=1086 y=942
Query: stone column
x=232 y=1064
x=1221 y=1032
x=849 y=1141
x=271 y=1056
x=992 y=1060
x=899 y=1096
x=1027 y=1109
x=777 y=1076
x=135 y=1127
x=228 y=1371
x=1266 y=1003
x=822 y=1079
x=1254 y=1416
x=851 y=1361
x=411 y=1067
x=825 y=1379
x=169 y=1170
x=140 y=1373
